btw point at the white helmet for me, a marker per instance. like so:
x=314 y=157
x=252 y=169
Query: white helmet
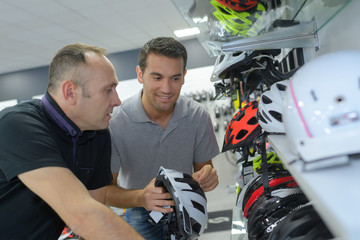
x=322 y=108
x=269 y=113
x=226 y=62
x=241 y=62
x=189 y=218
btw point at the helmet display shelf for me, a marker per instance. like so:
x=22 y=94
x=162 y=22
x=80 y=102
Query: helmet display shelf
x=333 y=191
x=321 y=147
x=264 y=25
x=332 y=187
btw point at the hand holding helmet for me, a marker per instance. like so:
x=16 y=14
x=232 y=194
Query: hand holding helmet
x=189 y=217
x=155 y=198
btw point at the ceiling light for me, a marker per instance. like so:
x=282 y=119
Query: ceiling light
x=187 y=32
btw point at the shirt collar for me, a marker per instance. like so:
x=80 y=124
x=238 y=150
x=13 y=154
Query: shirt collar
x=59 y=117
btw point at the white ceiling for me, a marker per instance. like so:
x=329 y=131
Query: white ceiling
x=31 y=31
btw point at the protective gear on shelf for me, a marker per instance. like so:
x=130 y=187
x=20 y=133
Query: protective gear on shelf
x=243 y=128
x=302 y=223
x=236 y=23
x=227 y=61
x=268 y=210
x=237 y=5
x=277 y=180
x=274 y=163
x=269 y=113
x=321 y=110
x=241 y=63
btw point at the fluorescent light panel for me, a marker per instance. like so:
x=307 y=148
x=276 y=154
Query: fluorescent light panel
x=187 y=32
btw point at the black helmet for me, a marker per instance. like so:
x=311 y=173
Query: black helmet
x=301 y=224
x=256 y=182
x=268 y=210
x=277 y=180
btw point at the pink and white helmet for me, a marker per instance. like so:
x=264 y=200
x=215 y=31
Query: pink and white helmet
x=321 y=111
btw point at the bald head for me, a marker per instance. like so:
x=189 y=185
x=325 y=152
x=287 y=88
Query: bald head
x=70 y=63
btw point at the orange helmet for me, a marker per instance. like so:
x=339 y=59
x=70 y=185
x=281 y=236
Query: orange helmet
x=243 y=128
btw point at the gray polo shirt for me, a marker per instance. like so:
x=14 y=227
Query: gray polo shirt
x=140 y=146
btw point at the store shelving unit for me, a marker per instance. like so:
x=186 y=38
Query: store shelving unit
x=334 y=191
x=311 y=17
x=301 y=35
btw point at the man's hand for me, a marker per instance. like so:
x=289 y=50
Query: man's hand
x=155 y=198
x=207 y=178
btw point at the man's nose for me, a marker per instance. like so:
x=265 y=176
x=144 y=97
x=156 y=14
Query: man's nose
x=116 y=100
x=166 y=85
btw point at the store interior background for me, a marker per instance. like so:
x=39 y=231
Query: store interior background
x=24 y=83
x=27 y=80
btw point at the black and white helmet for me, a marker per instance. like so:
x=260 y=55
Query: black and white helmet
x=269 y=113
x=189 y=219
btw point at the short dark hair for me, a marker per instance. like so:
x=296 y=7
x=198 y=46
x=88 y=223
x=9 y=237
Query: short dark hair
x=67 y=63
x=165 y=46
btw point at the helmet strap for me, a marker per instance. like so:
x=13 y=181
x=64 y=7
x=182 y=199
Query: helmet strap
x=264 y=164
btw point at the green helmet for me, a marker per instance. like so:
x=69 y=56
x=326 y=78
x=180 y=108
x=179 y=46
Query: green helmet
x=272 y=159
x=244 y=24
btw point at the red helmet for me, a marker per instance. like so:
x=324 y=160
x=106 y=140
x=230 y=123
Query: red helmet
x=243 y=128
x=239 y=5
x=278 y=180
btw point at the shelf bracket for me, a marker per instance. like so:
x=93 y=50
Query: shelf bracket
x=299 y=36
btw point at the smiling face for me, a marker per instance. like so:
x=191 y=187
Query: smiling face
x=162 y=80
x=94 y=109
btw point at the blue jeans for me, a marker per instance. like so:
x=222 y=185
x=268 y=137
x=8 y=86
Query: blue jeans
x=138 y=219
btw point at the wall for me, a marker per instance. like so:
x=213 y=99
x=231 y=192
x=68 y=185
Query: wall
x=23 y=85
x=340 y=33
x=196 y=80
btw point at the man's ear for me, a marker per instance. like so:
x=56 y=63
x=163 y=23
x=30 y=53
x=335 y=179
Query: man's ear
x=139 y=74
x=185 y=71
x=68 y=89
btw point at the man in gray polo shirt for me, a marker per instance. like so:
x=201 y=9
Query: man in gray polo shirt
x=158 y=127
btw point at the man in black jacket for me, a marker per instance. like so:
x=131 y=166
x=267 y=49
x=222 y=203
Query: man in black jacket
x=55 y=153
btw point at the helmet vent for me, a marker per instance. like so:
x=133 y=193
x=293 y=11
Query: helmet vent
x=187 y=225
x=252 y=121
x=241 y=134
x=198 y=206
x=236 y=54
x=261 y=118
x=313 y=95
x=196 y=227
x=281 y=87
x=276 y=115
x=221 y=58
x=266 y=116
x=224 y=11
x=239 y=21
x=195 y=187
x=239 y=116
x=265 y=99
